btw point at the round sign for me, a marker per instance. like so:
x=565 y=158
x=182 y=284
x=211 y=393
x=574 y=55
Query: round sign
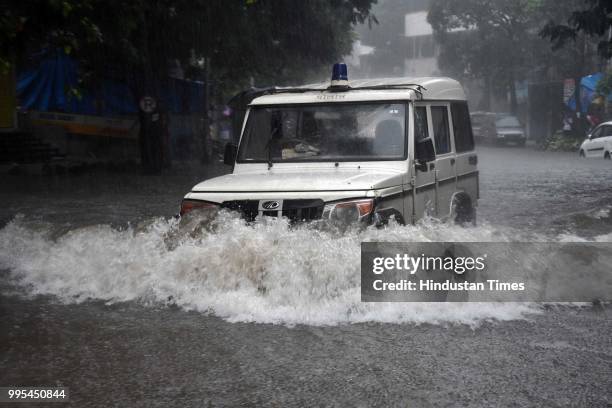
x=148 y=104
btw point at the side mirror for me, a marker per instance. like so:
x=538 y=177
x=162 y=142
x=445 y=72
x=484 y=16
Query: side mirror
x=424 y=153
x=229 y=156
x=589 y=136
x=420 y=165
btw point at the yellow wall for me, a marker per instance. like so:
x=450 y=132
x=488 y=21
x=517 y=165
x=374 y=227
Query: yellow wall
x=7 y=99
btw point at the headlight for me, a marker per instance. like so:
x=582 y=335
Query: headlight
x=349 y=211
x=190 y=205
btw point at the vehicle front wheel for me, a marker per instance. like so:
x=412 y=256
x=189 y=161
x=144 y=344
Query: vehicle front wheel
x=607 y=155
x=582 y=153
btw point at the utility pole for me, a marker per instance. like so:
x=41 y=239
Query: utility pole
x=150 y=136
x=205 y=142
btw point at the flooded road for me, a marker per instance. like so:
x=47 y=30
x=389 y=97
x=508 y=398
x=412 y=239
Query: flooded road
x=545 y=192
x=102 y=293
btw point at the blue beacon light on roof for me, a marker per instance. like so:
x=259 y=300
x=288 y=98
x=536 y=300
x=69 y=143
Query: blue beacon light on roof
x=339 y=76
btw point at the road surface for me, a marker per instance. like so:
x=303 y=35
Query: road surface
x=100 y=293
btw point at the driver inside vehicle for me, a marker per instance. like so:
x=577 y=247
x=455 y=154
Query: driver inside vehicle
x=324 y=133
x=388 y=138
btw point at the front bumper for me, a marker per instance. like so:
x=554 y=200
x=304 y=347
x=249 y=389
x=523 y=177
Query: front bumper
x=510 y=137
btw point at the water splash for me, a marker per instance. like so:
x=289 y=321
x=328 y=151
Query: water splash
x=268 y=272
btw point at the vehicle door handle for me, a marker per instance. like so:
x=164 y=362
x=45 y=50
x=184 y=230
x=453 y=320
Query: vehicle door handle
x=452 y=162
x=473 y=160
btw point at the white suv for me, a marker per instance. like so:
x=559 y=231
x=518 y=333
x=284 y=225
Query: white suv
x=599 y=142
x=377 y=149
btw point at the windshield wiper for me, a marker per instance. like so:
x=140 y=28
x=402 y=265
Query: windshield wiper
x=269 y=147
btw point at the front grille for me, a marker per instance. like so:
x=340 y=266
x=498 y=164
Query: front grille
x=247 y=208
x=295 y=210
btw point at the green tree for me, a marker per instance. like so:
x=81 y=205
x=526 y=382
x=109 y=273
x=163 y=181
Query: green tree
x=29 y=26
x=498 y=42
x=484 y=39
x=591 y=19
x=273 y=42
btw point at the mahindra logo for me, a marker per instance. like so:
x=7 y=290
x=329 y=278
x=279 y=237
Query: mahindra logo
x=270 y=205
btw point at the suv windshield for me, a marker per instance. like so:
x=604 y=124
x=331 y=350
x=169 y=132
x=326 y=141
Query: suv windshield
x=331 y=132
x=507 y=121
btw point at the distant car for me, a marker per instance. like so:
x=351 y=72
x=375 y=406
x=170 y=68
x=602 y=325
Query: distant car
x=498 y=128
x=599 y=142
x=483 y=124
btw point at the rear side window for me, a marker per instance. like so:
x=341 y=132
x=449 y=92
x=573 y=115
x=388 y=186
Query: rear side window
x=439 y=119
x=462 y=128
x=607 y=131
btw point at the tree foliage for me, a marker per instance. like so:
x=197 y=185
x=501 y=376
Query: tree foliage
x=235 y=42
x=483 y=39
x=30 y=26
x=499 y=41
x=593 y=18
x=273 y=41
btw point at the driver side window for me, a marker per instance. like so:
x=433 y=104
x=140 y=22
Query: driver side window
x=423 y=143
x=421 y=130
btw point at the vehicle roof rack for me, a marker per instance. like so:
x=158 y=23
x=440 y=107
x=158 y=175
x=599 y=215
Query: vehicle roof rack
x=280 y=90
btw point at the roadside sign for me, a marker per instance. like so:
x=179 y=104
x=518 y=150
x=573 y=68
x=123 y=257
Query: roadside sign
x=147 y=104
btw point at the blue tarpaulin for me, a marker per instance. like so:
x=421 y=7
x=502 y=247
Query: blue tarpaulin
x=47 y=88
x=587 y=92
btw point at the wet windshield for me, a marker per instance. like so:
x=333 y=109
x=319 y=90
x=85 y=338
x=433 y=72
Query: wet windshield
x=507 y=121
x=333 y=132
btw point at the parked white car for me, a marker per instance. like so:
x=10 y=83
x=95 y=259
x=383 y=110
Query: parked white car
x=599 y=142
x=364 y=153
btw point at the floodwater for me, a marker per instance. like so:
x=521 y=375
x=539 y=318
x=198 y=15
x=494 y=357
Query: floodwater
x=100 y=291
